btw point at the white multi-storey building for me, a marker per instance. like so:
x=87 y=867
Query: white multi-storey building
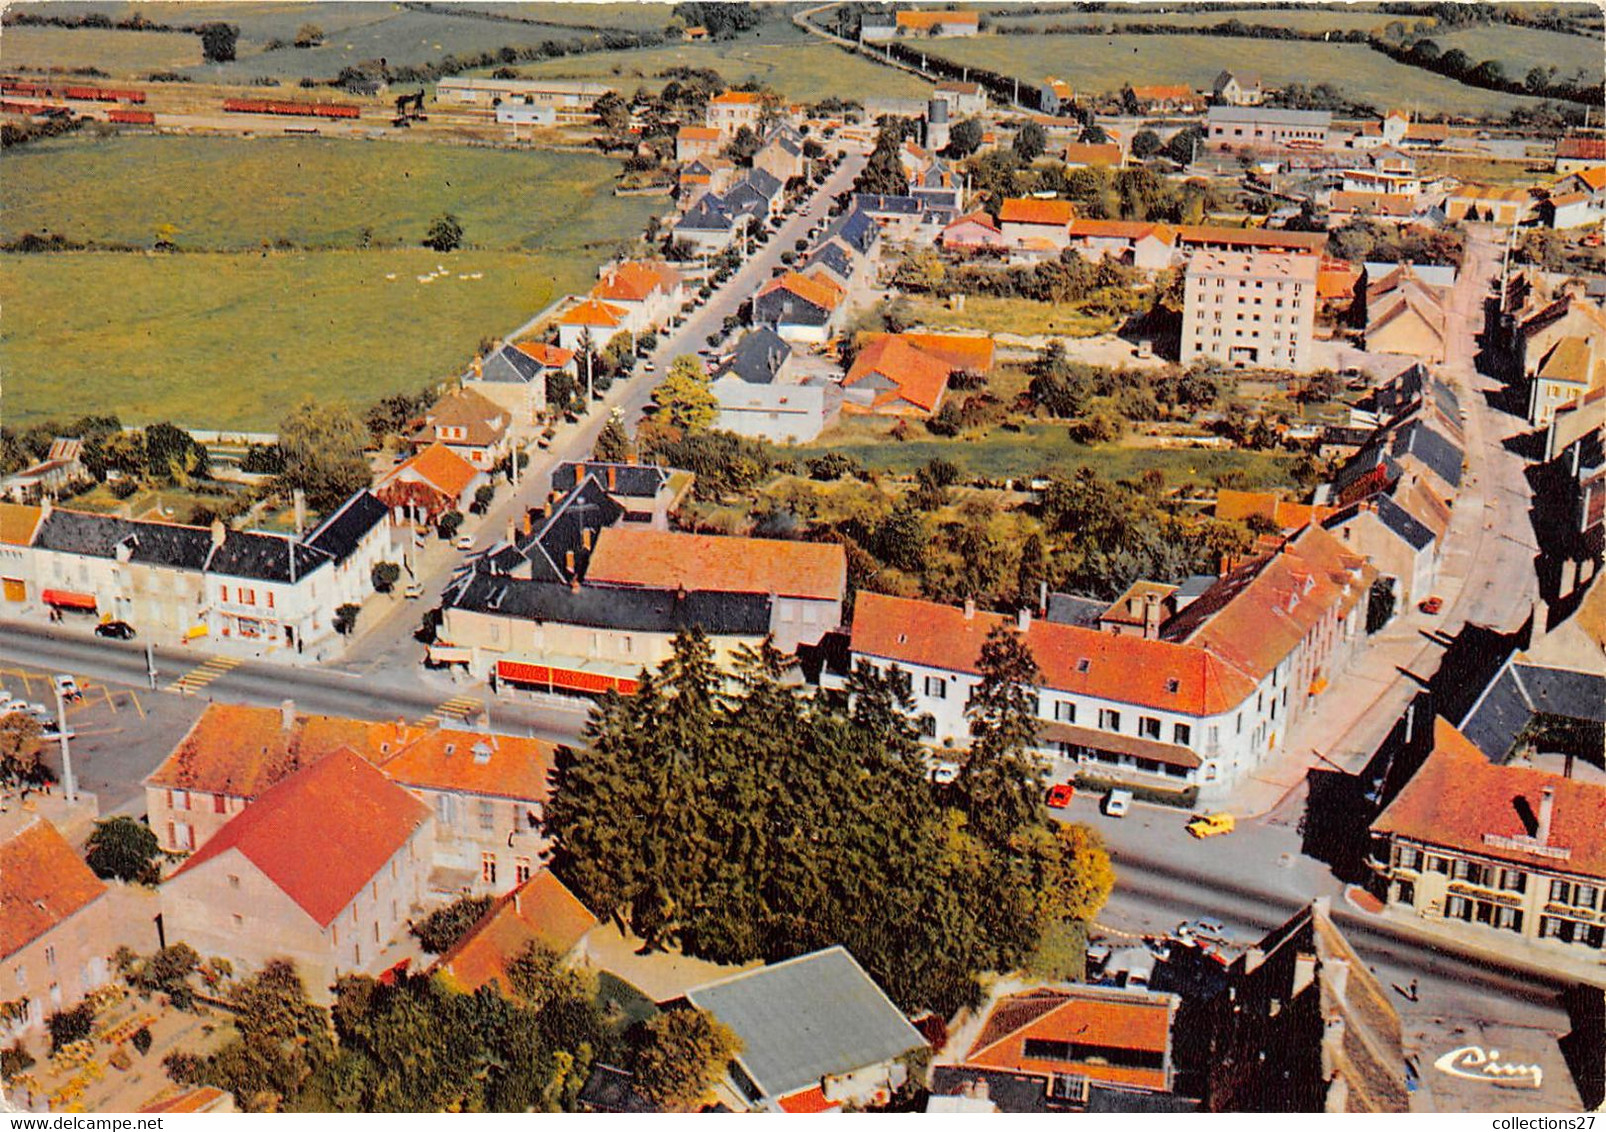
x=1250 y=309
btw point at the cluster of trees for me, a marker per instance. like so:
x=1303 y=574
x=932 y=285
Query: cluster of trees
x=21 y=741
x=1490 y=74
x=1364 y=240
x=883 y=173
x=1136 y=192
x=1064 y=388
x=1104 y=287
x=323 y=448
x=162 y=453
x=683 y=400
x=759 y=823
x=722 y=19
x=416 y=1044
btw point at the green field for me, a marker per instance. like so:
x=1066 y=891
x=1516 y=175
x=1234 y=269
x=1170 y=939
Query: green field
x=1519 y=49
x=354 y=33
x=231 y=338
x=808 y=71
x=1106 y=62
x=1330 y=18
x=1038 y=448
x=234 y=193
x=122 y=53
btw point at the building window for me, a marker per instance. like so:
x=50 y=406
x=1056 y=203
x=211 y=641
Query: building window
x=1584 y=895
x=1408 y=857
x=488 y=868
x=1560 y=892
x=234 y=881
x=1513 y=880
x=50 y=958
x=220 y=804
x=1148 y=727
x=936 y=688
x=521 y=869
x=1109 y=719
x=1064 y=711
x=487 y=817
x=1181 y=734
x=1508 y=919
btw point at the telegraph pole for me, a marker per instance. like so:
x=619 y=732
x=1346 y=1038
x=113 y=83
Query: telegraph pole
x=69 y=785
x=150 y=664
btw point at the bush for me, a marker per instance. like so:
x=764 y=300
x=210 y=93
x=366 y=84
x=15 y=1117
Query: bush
x=485 y=492
x=386 y=575
x=69 y=1026
x=124 y=848
x=142 y=1040
x=449 y=524
x=124 y=488
x=443 y=927
x=834 y=466
x=15 y=1059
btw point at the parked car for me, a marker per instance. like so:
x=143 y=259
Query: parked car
x=413 y=590
x=67 y=687
x=1185 y=934
x=649 y=368
x=1117 y=803
x=1212 y=825
x=1060 y=795
x=116 y=630
x=1213 y=931
x=1432 y=605
x=464 y=542
x=945 y=774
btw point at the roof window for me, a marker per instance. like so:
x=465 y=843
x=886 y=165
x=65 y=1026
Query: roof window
x=1173 y=685
x=1083 y=664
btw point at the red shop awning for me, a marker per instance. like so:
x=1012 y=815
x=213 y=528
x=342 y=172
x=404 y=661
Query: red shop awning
x=67 y=599
x=554 y=677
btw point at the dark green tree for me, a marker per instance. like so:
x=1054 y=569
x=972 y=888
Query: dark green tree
x=613 y=442
x=445 y=233
x=964 y=138
x=1000 y=780
x=1145 y=144
x=678 y=1057
x=218 y=41
x=124 y=848
x=441 y=929
x=1031 y=142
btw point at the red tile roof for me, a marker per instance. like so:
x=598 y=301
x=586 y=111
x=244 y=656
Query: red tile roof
x=1079 y=1016
x=591 y=312
x=1458 y=797
x=714 y=563
x=735 y=98
x=1379 y=204
x=698 y=133
x=438 y=466
x=18 y=522
x=482 y=420
x=1127 y=669
x=809 y=1100
x=1178 y=93
x=634 y=282
x=1258 y=614
x=1285 y=513
x=467 y=762
x=42 y=883
x=981 y=219
x=1028 y=210
x=1121 y=230
x=321 y=834
x=918 y=378
x=547 y=354
x=1193 y=234
x=812 y=289
x=541 y=910
x=924 y=21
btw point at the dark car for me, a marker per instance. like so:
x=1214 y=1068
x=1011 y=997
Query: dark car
x=117 y=630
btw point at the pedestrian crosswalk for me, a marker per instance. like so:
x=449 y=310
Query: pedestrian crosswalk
x=202 y=675
x=458 y=709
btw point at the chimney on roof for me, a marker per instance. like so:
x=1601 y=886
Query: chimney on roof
x=1042 y=599
x=1547 y=808
x=219 y=532
x=518 y=906
x=287 y=715
x=585 y=537
x=46 y=506
x=1152 y=611
x=1253 y=958
x=568 y=562
x=970 y=609
x=1023 y=620
x=574 y=585
x=299 y=499
x=613 y=477
x=546 y=509
x=479 y=367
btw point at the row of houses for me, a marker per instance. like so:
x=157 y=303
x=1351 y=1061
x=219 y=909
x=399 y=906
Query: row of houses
x=250 y=591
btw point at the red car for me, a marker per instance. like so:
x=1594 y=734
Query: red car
x=1060 y=795
x=1432 y=605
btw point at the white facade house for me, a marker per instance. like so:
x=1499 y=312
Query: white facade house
x=1250 y=308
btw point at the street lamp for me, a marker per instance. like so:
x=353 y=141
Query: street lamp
x=68 y=783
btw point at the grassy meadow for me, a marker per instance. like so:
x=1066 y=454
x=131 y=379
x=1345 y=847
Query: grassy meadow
x=227 y=333
x=125 y=54
x=1106 y=62
x=1334 y=17
x=1519 y=49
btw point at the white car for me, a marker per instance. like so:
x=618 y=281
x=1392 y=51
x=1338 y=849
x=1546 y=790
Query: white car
x=413 y=590
x=1118 y=803
x=464 y=542
x=67 y=687
x=945 y=774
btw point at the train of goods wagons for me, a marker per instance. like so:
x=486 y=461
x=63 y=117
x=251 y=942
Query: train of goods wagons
x=297 y=109
x=28 y=89
x=131 y=117
x=33 y=109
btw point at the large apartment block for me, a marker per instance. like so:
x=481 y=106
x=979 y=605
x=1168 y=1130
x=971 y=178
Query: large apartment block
x=1250 y=309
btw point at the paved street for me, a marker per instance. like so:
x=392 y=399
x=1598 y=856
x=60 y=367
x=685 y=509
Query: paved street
x=1486 y=575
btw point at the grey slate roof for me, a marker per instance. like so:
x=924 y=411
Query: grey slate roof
x=341 y=533
x=1108 y=1098
x=857 y=229
x=1523 y=690
x=1391 y=515
x=242 y=554
x=635 y=481
x=1433 y=449
x=782 y=306
x=1068 y=609
x=758 y=357
x=547 y=548
x=763 y=181
x=709 y=214
x=511 y=366
x=1271 y=115
x=892 y=205
x=1011 y=1092
x=623 y=609
x=834 y=258
x=807 y=1018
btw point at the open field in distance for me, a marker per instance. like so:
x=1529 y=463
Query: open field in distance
x=799 y=69
x=1107 y=62
x=262 y=328
x=1335 y=17
x=1519 y=49
x=125 y=54
x=234 y=193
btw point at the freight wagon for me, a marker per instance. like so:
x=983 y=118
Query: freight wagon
x=295 y=109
